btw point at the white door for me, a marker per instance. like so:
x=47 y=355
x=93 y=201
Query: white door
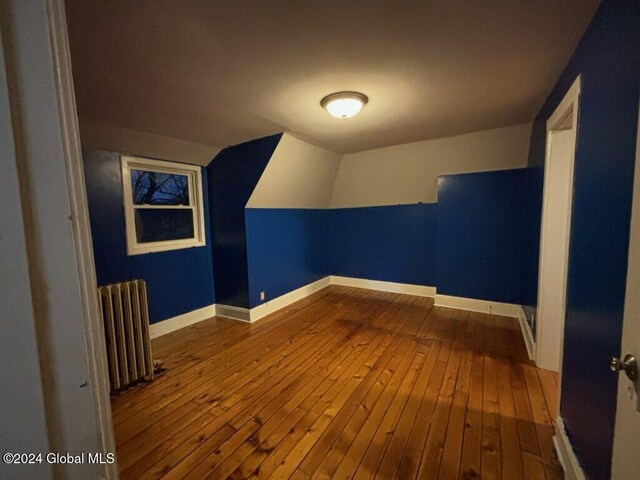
x=626 y=443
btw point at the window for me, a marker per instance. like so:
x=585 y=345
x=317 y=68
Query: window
x=163 y=205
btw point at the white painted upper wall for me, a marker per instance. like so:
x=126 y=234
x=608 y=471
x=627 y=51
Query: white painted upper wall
x=104 y=136
x=299 y=175
x=406 y=174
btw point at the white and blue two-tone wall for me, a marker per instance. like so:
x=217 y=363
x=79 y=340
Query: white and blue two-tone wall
x=374 y=215
x=460 y=215
x=282 y=213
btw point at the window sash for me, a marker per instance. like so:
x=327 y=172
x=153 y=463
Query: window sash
x=194 y=179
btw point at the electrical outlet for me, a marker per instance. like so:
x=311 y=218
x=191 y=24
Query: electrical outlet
x=262 y=296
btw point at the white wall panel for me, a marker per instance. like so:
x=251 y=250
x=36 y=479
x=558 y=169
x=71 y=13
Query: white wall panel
x=125 y=140
x=299 y=175
x=406 y=174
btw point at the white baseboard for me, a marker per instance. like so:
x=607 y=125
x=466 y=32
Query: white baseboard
x=474 y=305
x=267 y=308
x=527 y=334
x=234 y=313
x=566 y=454
x=287 y=299
x=181 y=321
x=407 y=288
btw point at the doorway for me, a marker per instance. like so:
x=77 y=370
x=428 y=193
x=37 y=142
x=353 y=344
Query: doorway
x=556 y=230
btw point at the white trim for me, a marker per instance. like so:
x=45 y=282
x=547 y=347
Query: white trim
x=393 y=287
x=97 y=368
x=254 y=314
x=549 y=332
x=172 y=324
x=475 y=305
x=234 y=313
x=194 y=179
x=527 y=335
x=566 y=106
x=287 y=299
x=566 y=454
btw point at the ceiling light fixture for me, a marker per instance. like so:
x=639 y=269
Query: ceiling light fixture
x=344 y=104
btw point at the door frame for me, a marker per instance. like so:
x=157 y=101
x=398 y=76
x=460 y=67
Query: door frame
x=547 y=343
x=67 y=320
x=70 y=133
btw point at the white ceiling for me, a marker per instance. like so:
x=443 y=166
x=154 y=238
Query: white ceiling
x=223 y=72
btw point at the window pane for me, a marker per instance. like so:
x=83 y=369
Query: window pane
x=157 y=225
x=155 y=188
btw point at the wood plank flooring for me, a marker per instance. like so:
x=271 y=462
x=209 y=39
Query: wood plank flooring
x=347 y=383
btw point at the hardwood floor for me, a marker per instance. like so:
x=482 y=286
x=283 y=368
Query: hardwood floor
x=347 y=383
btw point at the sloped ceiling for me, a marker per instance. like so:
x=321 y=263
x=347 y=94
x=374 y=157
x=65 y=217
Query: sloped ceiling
x=222 y=72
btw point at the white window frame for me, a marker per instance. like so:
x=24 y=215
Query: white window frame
x=194 y=176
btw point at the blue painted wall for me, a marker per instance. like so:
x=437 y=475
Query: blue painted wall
x=178 y=281
x=290 y=248
x=607 y=58
x=391 y=243
x=473 y=243
x=286 y=250
x=533 y=191
x=233 y=174
x=482 y=231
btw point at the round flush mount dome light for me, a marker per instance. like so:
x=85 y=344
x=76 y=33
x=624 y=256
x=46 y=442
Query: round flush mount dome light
x=344 y=104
